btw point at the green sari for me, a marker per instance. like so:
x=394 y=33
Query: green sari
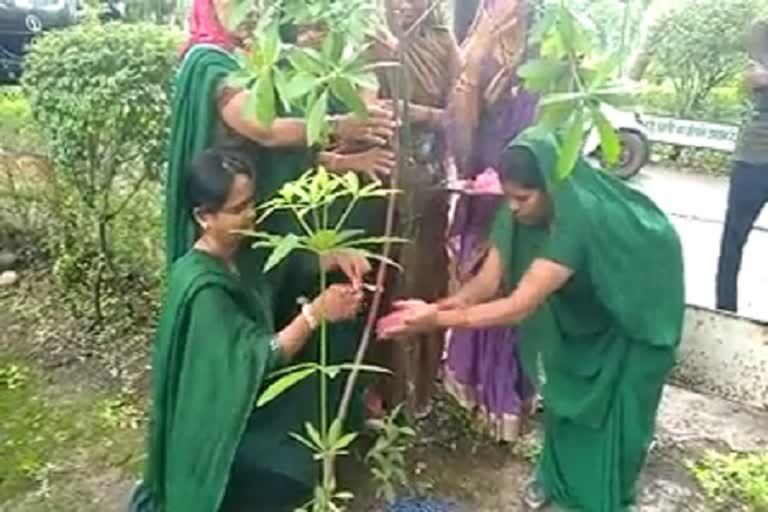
x=196 y=125
x=212 y=355
x=608 y=338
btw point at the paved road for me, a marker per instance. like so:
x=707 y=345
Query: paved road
x=696 y=205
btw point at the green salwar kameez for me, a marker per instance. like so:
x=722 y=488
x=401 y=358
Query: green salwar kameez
x=607 y=339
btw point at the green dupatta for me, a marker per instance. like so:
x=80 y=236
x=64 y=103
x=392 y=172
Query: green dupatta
x=193 y=127
x=628 y=270
x=212 y=355
x=607 y=338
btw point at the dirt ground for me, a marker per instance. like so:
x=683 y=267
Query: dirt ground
x=71 y=439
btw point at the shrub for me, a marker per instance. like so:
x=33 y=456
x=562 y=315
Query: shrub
x=698 y=46
x=16 y=129
x=727 y=105
x=734 y=481
x=100 y=95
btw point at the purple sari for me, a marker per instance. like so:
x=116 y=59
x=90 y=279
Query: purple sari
x=483 y=370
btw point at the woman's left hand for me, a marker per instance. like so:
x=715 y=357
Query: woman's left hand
x=351 y=264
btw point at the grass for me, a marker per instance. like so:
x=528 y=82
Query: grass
x=55 y=438
x=734 y=481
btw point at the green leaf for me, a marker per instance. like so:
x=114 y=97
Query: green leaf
x=284 y=247
x=299 y=85
x=574 y=31
x=621 y=95
x=251 y=107
x=293 y=368
x=541 y=74
x=571 y=147
x=281 y=385
x=603 y=71
x=343 y=89
x=271 y=45
x=324 y=240
x=553 y=116
x=240 y=79
x=376 y=240
x=314 y=435
x=281 y=87
x=305 y=60
x=265 y=100
x=345 y=441
x=345 y=235
x=334 y=432
x=304 y=441
x=332 y=47
x=609 y=139
x=544 y=26
x=352 y=181
x=344 y=496
x=316 y=119
x=563 y=97
x=364 y=368
x=240 y=11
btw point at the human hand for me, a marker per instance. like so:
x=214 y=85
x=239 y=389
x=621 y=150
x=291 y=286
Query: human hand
x=378 y=128
x=409 y=317
x=374 y=162
x=416 y=113
x=384 y=43
x=337 y=302
x=488 y=30
x=351 y=264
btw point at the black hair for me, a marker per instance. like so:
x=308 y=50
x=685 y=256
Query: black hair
x=519 y=166
x=211 y=175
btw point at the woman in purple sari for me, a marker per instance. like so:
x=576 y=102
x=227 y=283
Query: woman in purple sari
x=489 y=107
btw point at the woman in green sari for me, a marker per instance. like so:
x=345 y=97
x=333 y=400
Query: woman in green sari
x=592 y=272
x=209 y=450
x=208 y=111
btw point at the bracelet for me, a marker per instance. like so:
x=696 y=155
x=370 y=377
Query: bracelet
x=275 y=346
x=309 y=315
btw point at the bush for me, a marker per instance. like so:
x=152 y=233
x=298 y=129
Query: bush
x=100 y=95
x=17 y=132
x=695 y=160
x=727 y=105
x=698 y=46
x=734 y=481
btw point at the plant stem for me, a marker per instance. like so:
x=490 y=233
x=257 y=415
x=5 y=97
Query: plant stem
x=390 y=220
x=343 y=219
x=327 y=469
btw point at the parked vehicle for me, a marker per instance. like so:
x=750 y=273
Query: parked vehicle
x=635 y=144
x=22 y=20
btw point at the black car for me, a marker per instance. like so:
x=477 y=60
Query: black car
x=22 y=20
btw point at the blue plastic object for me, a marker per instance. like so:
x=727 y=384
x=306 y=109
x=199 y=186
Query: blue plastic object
x=420 y=504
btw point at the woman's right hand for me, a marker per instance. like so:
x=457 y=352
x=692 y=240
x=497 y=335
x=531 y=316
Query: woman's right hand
x=337 y=302
x=378 y=128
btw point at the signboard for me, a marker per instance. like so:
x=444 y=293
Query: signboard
x=721 y=137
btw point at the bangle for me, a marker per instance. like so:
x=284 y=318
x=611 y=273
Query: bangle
x=275 y=346
x=309 y=315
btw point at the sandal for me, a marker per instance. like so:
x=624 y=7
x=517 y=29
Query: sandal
x=534 y=497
